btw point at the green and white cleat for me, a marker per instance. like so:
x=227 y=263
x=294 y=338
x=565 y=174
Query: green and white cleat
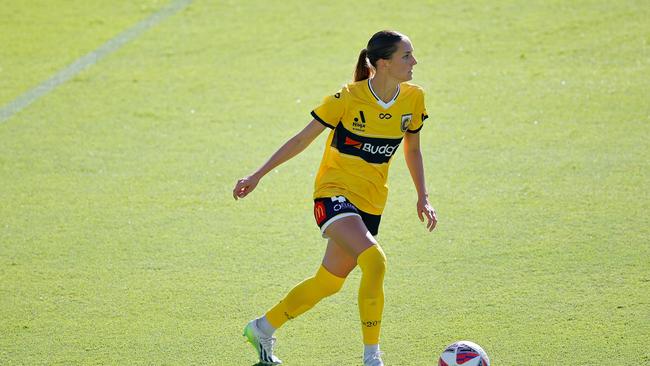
x=263 y=345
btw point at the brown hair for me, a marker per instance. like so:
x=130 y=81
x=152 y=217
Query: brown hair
x=381 y=45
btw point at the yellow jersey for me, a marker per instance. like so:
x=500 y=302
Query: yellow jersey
x=366 y=132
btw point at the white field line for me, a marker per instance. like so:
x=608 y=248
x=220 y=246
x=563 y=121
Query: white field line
x=90 y=59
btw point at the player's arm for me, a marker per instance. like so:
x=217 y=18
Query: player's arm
x=291 y=148
x=413 y=157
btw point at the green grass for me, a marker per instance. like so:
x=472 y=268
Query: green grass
x=120 y=242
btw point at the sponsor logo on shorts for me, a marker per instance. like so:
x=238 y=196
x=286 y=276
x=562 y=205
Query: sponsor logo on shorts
x=319 y=212
x=344 y=206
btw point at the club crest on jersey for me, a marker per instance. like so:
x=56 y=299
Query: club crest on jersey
x=406 y=121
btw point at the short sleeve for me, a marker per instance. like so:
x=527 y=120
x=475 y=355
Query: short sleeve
x=331 y=111
x=419 y=114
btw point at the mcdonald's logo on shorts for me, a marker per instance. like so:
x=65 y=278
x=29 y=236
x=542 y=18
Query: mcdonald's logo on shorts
x=319 y=212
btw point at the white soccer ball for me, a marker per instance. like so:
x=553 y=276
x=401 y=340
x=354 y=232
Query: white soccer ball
x=464 y=353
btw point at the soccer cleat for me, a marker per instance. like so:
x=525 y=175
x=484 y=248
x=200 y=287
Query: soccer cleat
x=373 y=360
x=263 y=345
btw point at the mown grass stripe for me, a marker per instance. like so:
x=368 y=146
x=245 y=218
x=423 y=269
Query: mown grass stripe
x=90 y=59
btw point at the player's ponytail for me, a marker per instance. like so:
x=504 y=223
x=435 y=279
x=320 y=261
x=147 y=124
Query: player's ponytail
x=362 y=71
x=381 y=45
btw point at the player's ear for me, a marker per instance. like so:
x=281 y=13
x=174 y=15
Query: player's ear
x=382 y=63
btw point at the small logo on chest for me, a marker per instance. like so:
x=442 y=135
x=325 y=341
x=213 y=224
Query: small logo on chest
x=359 y=124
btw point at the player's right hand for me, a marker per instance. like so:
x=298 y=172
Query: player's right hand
x=244 y=186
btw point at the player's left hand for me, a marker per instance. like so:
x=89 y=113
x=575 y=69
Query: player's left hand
x=425 y=210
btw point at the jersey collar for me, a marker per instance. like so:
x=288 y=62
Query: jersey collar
x=381 y=102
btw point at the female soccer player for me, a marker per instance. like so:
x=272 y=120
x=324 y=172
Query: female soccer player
x=368 y=119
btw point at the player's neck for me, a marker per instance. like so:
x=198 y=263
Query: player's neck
x=384 y=87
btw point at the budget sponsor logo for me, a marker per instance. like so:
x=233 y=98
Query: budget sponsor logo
x=353 y=143
x=374 y=150
x=385 y=150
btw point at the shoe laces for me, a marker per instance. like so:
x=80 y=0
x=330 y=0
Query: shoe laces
x=267 y=343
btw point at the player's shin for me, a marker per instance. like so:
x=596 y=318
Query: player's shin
x=371 y=293
x=304 y=296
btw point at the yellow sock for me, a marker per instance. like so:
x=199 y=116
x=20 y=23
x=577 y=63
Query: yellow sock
x=304 y=296
x=371 y=292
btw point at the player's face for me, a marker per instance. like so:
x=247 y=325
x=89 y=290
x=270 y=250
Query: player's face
x=402 y=62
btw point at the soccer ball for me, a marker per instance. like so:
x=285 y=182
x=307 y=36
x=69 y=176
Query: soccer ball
x=464 y=353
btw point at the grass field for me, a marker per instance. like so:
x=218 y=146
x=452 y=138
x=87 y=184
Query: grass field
x=120 y=243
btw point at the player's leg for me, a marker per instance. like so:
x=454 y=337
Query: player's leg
x=351 y=234
x=337 y=264
x=338 y=260
x=327 y=281
x=329 y=278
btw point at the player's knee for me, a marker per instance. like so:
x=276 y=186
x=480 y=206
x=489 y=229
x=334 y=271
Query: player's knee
x=373 y=261
x=330 y=289
x=329 y=284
